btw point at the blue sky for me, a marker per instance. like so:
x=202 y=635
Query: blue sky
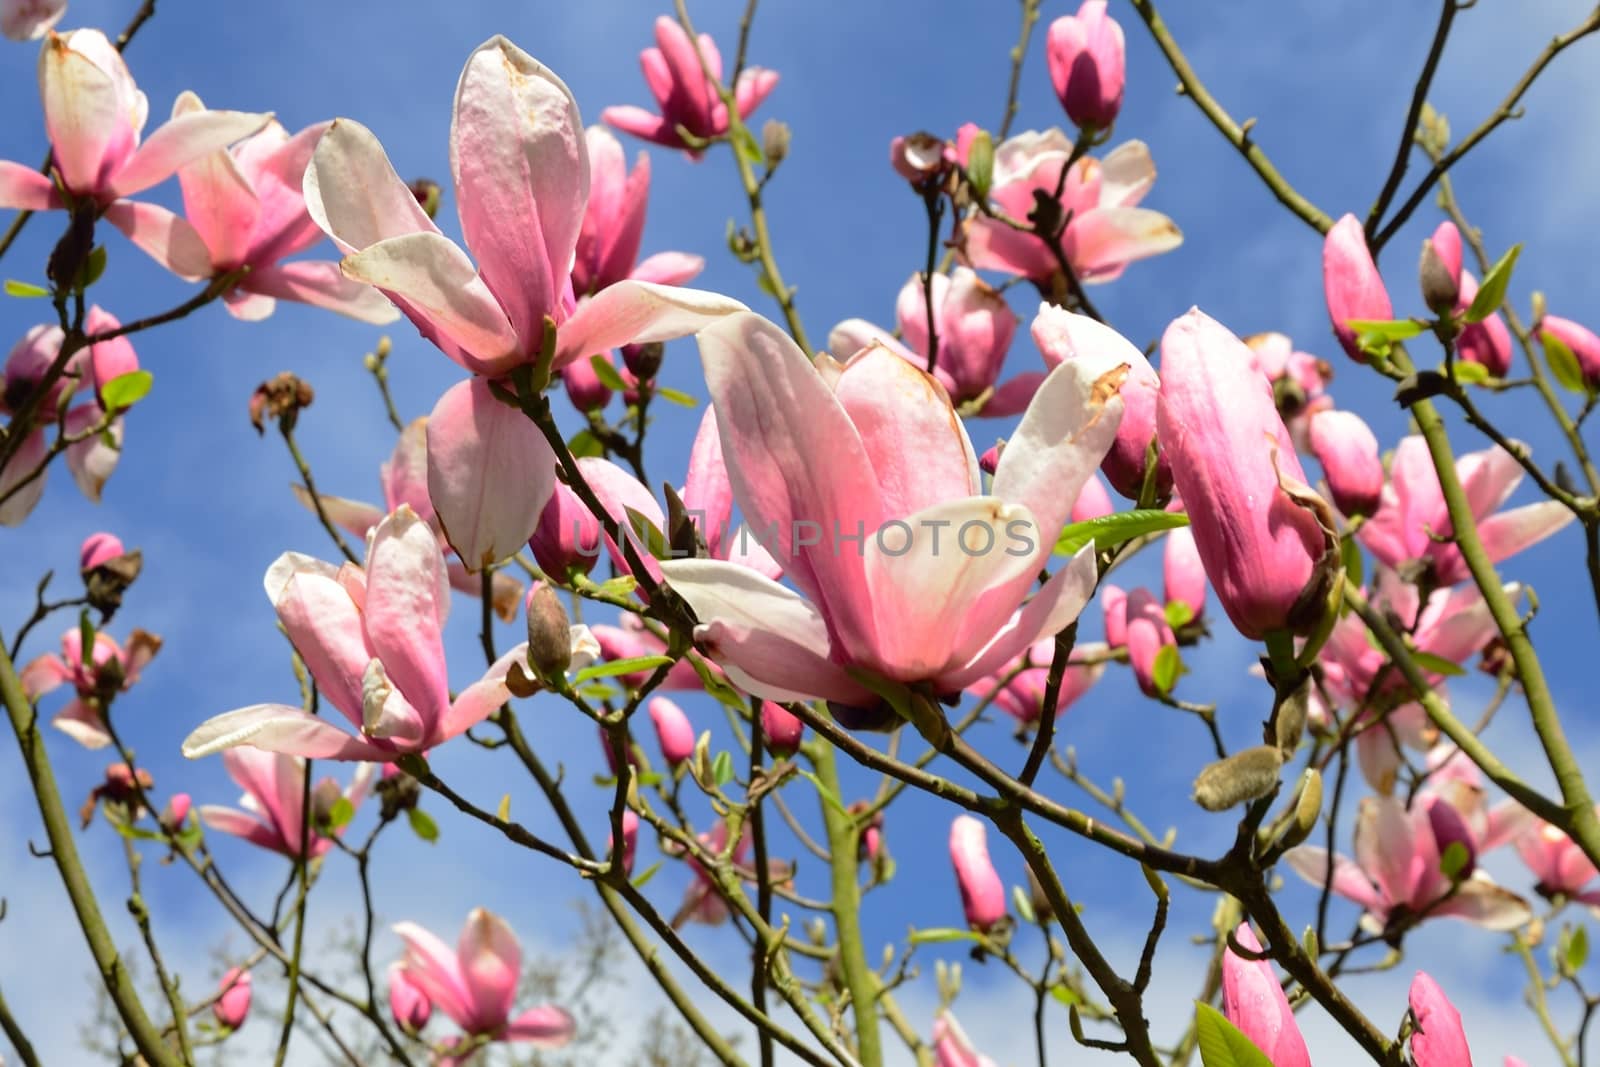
x=208 y=502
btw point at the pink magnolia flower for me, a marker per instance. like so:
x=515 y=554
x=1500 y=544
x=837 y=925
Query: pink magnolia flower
x=1182 y=572
x=1438 y=1040
x=952 y=1047
x=673 y=730
x=1253 y=1001
x=983 y=895
x=631 y=639
x=273 y=809
x=404 y=480
x=613 y=224
x=521 y=169
x=1299 y=381
x=921 y=157
x=1146 y=632
x=1396 y=876
x=1579 y=339
x=1107 y=230
x=244 y=208
x=373 y=641
x=871 y=450
x=1114 y=608
x=1487 y=343
x=1453 y=624
x=94 y=115
x=110 y=668
x=1348 y=451
x=686 y=91
x=1456 y=780
x=568 y=537
x=974 y=325
x=233 y=1005
x=408 y=1003
x=29 y=20
x=1351 y=283
x=476 y=984
x=1087 y=67
x=1412 y=521
x=99 y=549
x=1019 y=687
x=1235 y=467
x=1063 y=336
x=1559 y=864
x=707 y=496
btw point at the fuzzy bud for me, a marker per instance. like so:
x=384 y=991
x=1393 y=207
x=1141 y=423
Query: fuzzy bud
x=549 y=632
x=1242 y=777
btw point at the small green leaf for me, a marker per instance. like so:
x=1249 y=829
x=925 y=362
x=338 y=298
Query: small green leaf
x=1577 y=950
x=612 y=668
x=941 y=934
x=126 y=390
x=620 y=586
x=585 y=444
x=343 y=811
x=745 y=143
x=25 y=290
x=1385 y=330
x=980 y=164
x=1165 y=670
x=1492 y=293
x=722 y=768
x=643 y=877
x=422 y=825
x=1221 y=1043
x=1469 y=373
x=1350 y=555
x=677 y=396
x=1436 y=664
x=646 y=533
x=1065 y=995
x=1563 y=363
x=1024 y=905
x=93 y=267
x=1109 y=531
x=1453 y=861
x=503 y=812
x=1179 y=614
x=606 y=371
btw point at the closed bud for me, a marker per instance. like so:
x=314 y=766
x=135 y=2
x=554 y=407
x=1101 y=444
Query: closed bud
x=1040 y=902
x=1088 y=69
x=1440 y=270
x=1183 y=576
x=1582 y=342
x=232 y=1006
x=983 y=896
x=673 y=731
x=549 y=632
x=584 y=387
x=643 y=361
x=1351 y=283
x=775 y=137
x=1307 y=808
x=427 y=192
x=1290 y=721
x=990 y=460
x=1242 y=777
x=630 y=840
x=1348 y=451
x=408 y=1001
x=781 y=729
x=176 y=813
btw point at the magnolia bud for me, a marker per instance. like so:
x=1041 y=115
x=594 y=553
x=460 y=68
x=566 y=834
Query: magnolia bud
x=325 y=796
x=630 y=840
x=990 y=460
x=672 y=731
x=176 y=813
x=879 y=718
x=233 y=1005
x=1440 y=270
x=427 y=192
x=1290 y=722
x=1243 y=776
x=983 y=896
x=408 y=1002
x=549 y=632
x=781 y=729
x=643 y=360
x=1042 y=909
x=775 y=137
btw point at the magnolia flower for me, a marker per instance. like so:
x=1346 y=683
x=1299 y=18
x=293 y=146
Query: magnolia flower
x=404 y=479
x=1558 y=863
x=1351 y=284
x=273 y=802
x=1397 y=876
x=613 y=224
x=1438 y=1040
x=476 y=984
x=983 y=895
x=408 y=1003
x=373 y=641
x=871 y=451
x=521 y=169
x=110 y=668
x=1487 y=343
x=1241 y=482
x=974 y=325
x=1412 y=524
x=952 y=1047
x=29 y=20
x=1253 y=1001
x=1087 y=67
x=1299 y=381
x=632 y=639
x=99 y=549
x=1106 y=231
x=1348 y=451
x=1019 y=687
x=703 y=901
x=1145 y=631
x=232 y=1005
x=94 y=115
x=707 y=496
x=244 y=208
x=683 y=76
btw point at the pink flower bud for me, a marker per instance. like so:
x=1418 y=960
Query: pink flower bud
x=1438 y=1040
x=1114 y=603
x=99 y=548
x=1093 y=501
x=1147 y=634
x=611 y=753
x=568 y=535
x=983 y=896
x=672 y=730
x=781 y=728
x=1351 y=283
x=1183 y=576
x=233 y=1005
x=1450 y=828
x=176 y=813
x=974 y=325
x=630 y=840
x=1087 y=67
x=408 y=1001
x=1580 y=339
x=1253 y=1001
x=1233 y=464
x=1488 y=342
x=952 y=1047
x=1348 y=452
x=583 y=385
x=989 y=460
x=1440 y=270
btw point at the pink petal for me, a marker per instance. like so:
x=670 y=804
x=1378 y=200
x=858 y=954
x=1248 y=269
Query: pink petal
x=325 y=627
x=182 y=140
x=490 y=962
x=1349 y=881
x=217 y=199
x=352 y=515
x=1253 y=1001
x=408 y=600
x=1101 y=241
x=26 y=189
x=431 y=965
x=668 y=268
x=279 y=728
x=546 y=1026
x=707 y=493
x=1481 y=902
x=321 y=283
x=83 y=107
x=641 y=123
x=167 y=238
x=83 y=723
x=29 y=20
x=1439 y=1040
x=635 y=312
x=30 y=455
x=92 y=460
x=1013 y=397
x=242 y=824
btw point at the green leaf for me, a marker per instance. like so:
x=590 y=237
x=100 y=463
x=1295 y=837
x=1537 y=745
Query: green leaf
x=1453 y=861
x=643 y=877
x=1376 y=336
x=745 y=143
x=941 y=934
x=620 y=586
x=126 y=390
x=646 y=533
x=612 y=668
x=980 y=164
x=1178 y=614
x=677 y=396
x=25 y=290
x=585 y=444
x=1469 y=373
x=1563 y=363
x=1065 y=995
x=422 y=825
x=722 y=768
x=343 y=811
x=1492 y=293
x=1109 y=531
x=1221 y=1043
x=1165 y=670
x=1024 y=905
x=1350 y=555
x=1577 y=950
x=606 y=371
x=1436 y=664
x=93 y=267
